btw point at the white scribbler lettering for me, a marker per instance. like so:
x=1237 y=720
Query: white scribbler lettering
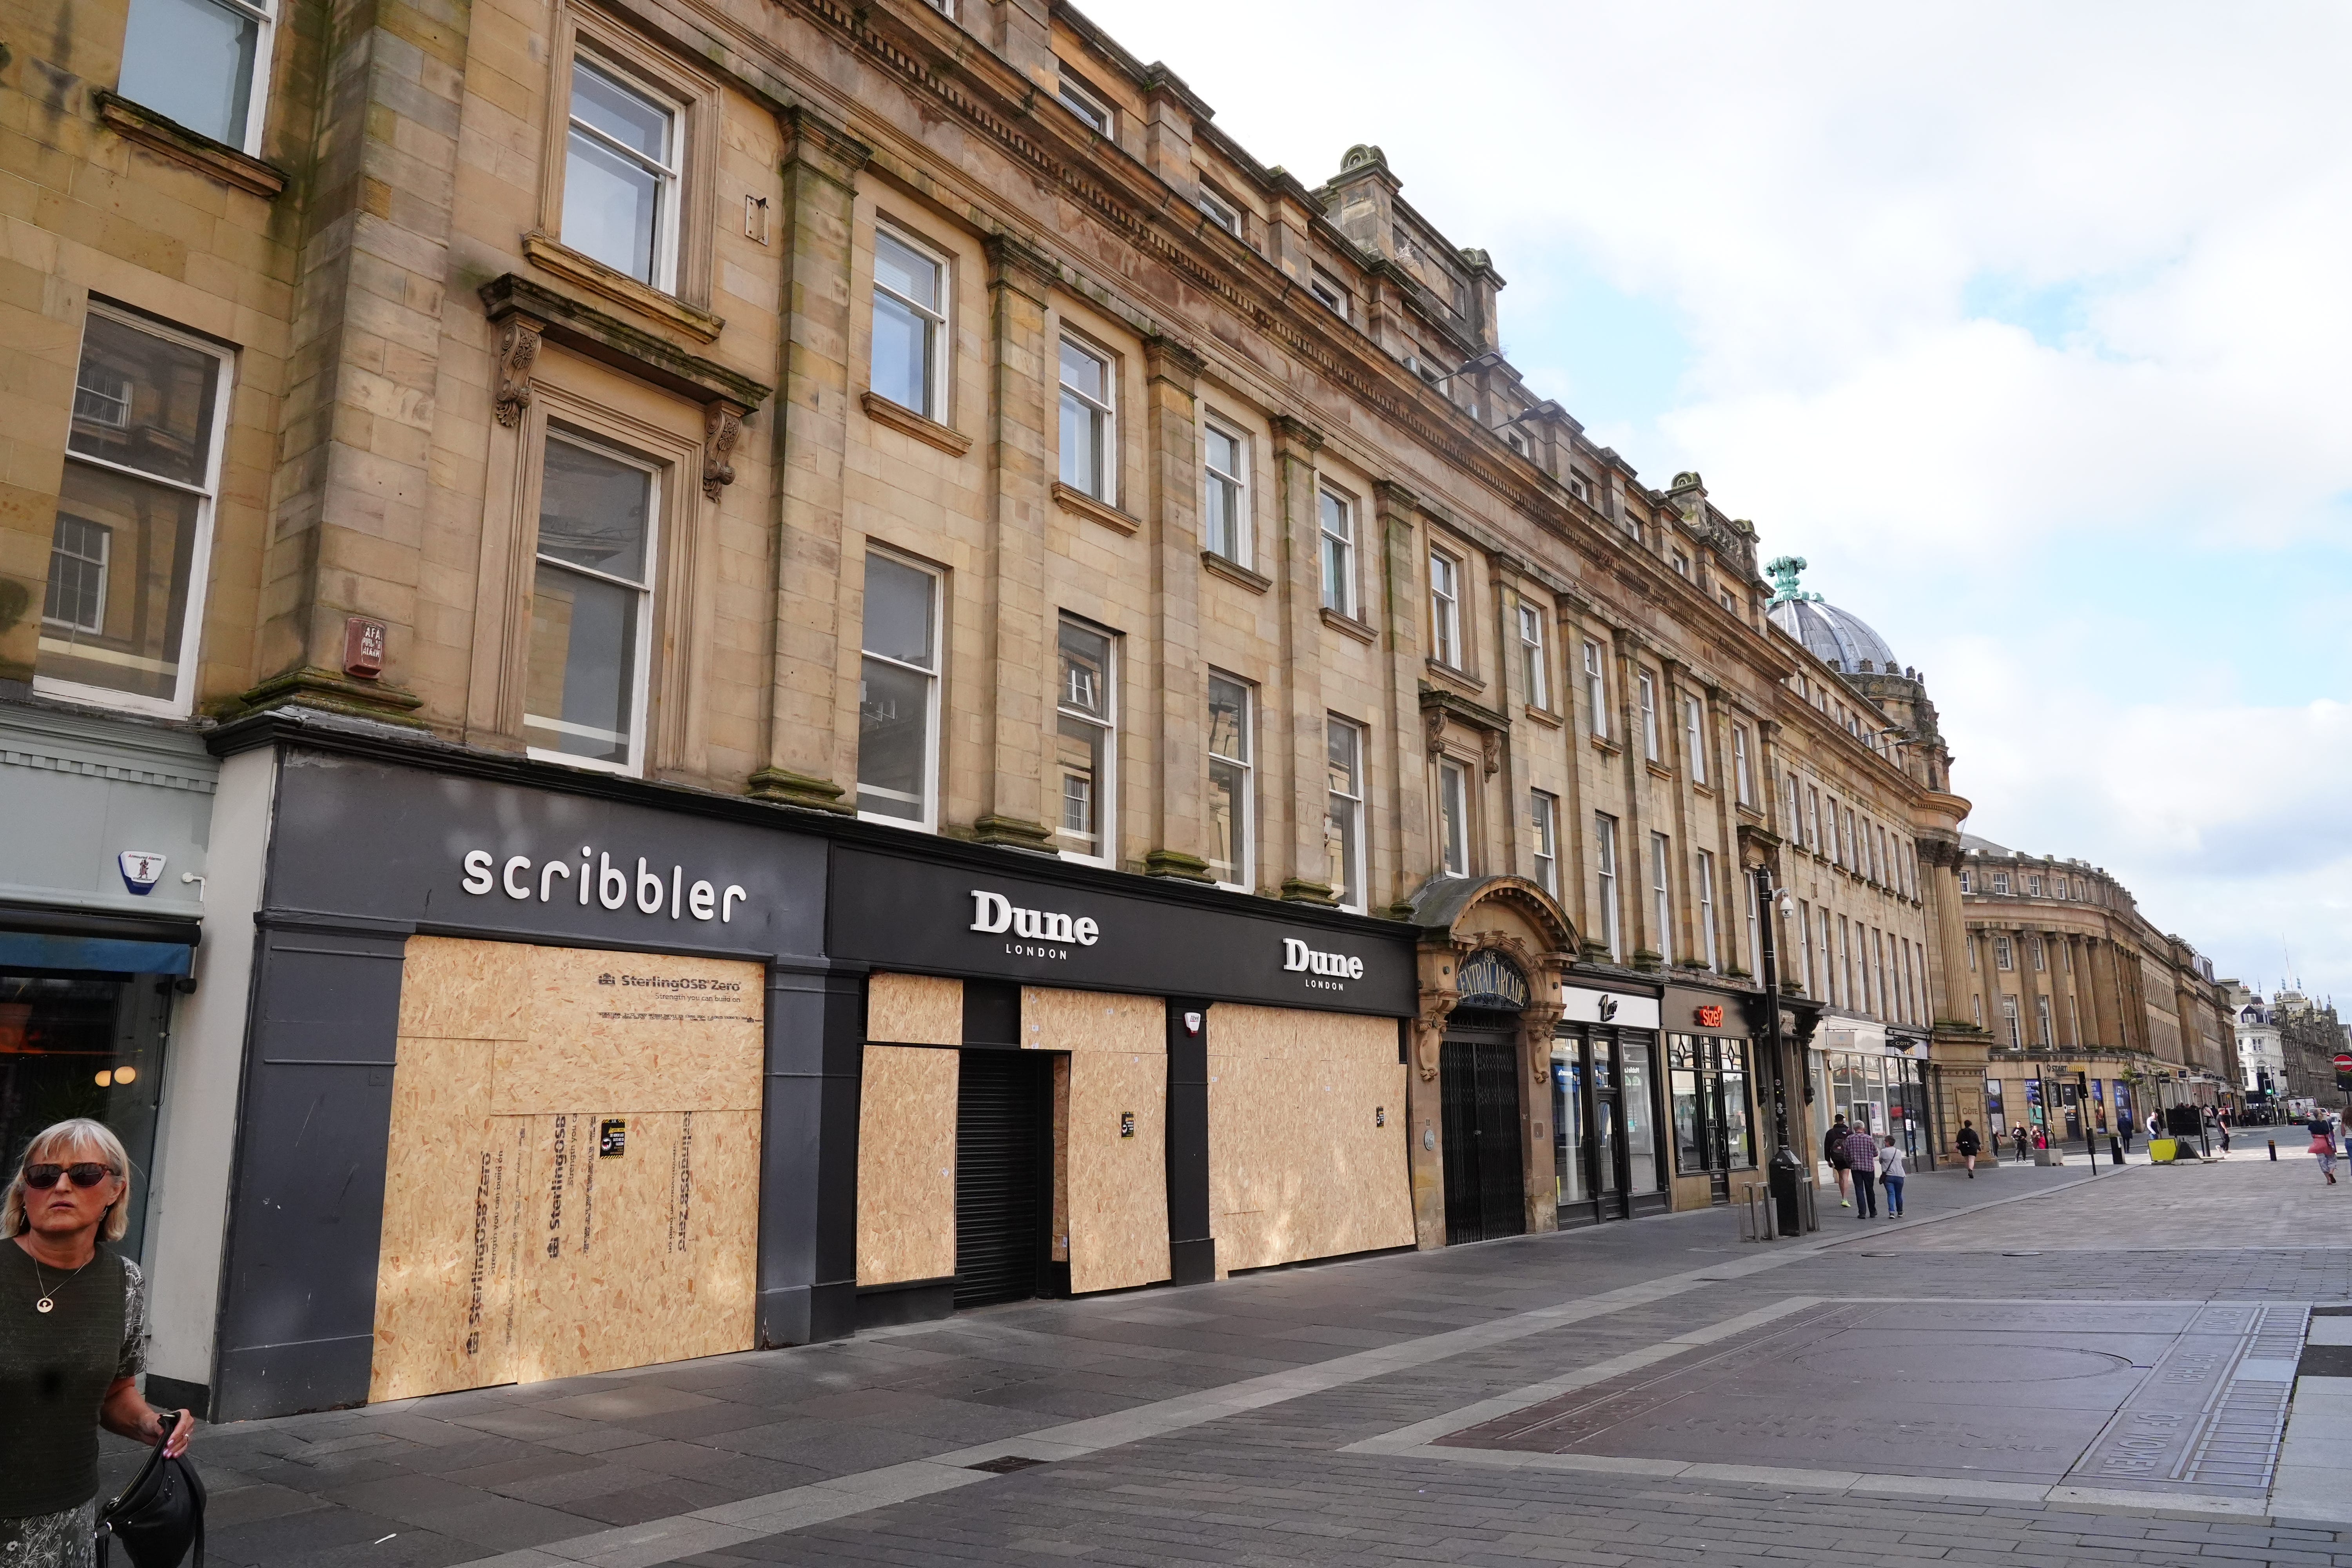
x=612 y=885
x=1300 y=959
x=994 y=914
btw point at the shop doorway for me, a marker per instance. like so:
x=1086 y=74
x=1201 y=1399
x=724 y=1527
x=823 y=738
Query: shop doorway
x=1713 y=1125
x=1478 y=1081
x=1003 y=1164
x=1604 y=1126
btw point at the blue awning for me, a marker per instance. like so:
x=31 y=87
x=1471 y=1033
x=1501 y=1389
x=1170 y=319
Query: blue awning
x=26 y=949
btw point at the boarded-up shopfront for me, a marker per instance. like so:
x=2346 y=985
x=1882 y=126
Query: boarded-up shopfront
x=1092 y=1091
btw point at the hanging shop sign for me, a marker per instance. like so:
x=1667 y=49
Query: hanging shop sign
x=1626 y=1009
x=963 y=917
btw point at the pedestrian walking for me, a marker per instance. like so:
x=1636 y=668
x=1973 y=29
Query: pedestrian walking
x=1890 y=1173
x=73 y=1338
x=2324 y=1148
x=1861 y=1159
x=1834 y=1150
x=2222 y=1126
x=1970 y=1145
x=2017 y=1133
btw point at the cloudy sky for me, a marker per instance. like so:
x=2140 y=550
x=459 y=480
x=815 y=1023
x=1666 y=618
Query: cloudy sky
x=2029 y=327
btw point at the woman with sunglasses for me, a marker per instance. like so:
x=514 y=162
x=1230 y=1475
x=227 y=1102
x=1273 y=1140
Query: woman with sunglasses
x=73 y=1337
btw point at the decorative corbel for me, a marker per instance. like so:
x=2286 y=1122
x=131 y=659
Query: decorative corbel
x=1429 y=1030
x=722 y=425
x=1536 y=1021
x=518 y=353
x=1492 y=743
x=1433 y=721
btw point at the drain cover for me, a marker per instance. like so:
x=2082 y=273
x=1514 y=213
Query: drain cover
x=1005 y=1464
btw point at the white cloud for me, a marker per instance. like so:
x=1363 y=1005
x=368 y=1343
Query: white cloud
x=2026 y=324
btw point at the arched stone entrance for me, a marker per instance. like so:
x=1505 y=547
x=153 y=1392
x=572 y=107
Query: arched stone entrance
x=1492 y=953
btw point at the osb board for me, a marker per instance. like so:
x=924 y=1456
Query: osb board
x=639 y=1030
x=646 y=1257
x=1118 y=1186
x=457 y=990
x=480 y=1276
x=1060 y=1238
x=1092 y=1021
x=906 y=1164
x=1298 y=1164
x=914 y=1010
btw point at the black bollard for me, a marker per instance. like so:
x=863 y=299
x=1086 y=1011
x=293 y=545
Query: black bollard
x=2273 y=1149
x=2115 y=1148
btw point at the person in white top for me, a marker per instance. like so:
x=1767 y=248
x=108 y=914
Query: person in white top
x=1890 y=1176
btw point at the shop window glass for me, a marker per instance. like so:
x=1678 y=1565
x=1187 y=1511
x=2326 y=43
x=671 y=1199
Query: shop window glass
x=1640 y=1118
x=121 y=607
x=1568 y=1139
x=590 y=607
x=897 y=693
x=85 y=1046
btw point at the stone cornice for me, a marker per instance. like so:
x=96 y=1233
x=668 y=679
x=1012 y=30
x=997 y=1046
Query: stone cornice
x=586 y=330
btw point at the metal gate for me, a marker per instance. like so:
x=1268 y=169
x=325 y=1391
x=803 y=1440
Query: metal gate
x=1001 y=1169
x=1485 y=1186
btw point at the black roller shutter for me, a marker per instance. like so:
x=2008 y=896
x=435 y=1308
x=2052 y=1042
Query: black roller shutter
x=1001 y=1173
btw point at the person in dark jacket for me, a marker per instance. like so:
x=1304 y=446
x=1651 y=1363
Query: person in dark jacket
x=1970 y=1146
x=2017 y=1133
x=1834 y=1150
x=1861 y=1159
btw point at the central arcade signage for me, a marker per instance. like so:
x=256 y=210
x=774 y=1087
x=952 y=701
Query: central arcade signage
x=898 y=913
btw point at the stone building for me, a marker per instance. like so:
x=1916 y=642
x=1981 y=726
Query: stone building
x=841 y=661
x=2311 y=1037
x=2261 y=1063
x=2095 y=1016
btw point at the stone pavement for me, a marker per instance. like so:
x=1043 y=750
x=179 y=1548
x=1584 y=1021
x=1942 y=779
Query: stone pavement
x=1241 y=1422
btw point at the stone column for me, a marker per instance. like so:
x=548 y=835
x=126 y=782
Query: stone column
x=1303 y=862
x=812 y=737
x=1424 y=1095
x=1940 y=863
x=1539 y=1180
x=1178 y=682
x=1019 y=637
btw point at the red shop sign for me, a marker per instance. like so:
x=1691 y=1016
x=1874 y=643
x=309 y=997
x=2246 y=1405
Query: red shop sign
x=1710 y=1017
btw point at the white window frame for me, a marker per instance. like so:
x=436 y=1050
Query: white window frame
x=929 y=820
x=1103 y=410
x=1237 y=485
x=1828 y=963
x=1107 y=785
x=1604 y=864
x=103 y=562
x=2000 y=882
x=1338 y=584
x=1352 y=896
x=1328 y=290
x=935 y=390
x=1708 y=949
x=1805 y=941
x=1814 y=828
x=672 y=188
x=1453 y=833
x=1694 y=736
x=1596 y=687
x=1092 y=109
x=641 y=688
x=1245 y=824
x=1645 y=686
x=256 y=98
x=2044 y=1021
x=2004 y=953
x=1534 y=661
x=1543 y=816
x=1661 y=897
x=1221 y=212
x=192 y=617
x=1446 y=609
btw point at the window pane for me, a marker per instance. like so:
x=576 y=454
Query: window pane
x=1228 y=820
x=145 y=401
x=620 y=112
x=906 y=270
x=1225 y=452
x=594 y=511
x=612 y=207
x=1083 y=373
x=1081 y=752
x=579 y=694
x=1082 y=464
x=120 y=568
x=1640 y=1136
x=893 y=736
x=899 y=600
x=1223 y=503
x=1342 y=838
x=1453 y=808
x=902 y=354
x=1228 y=718
x=192 y=61
x=1085 y=669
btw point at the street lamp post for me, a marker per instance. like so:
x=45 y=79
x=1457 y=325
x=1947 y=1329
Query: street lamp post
x=1786 y=1177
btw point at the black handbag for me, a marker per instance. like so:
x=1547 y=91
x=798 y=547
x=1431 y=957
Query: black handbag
x=159 y=1516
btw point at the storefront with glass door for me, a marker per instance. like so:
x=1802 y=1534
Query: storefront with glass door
x=1710 y=1088
x=1606 y=1149
x=1876 y=1080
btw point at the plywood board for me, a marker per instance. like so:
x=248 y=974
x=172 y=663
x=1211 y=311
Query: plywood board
x=644 y=1031
x=1308 y=1136
x=1055 y=1020
x=906 y=1164
x=511 y=1250
x=914 y=1010
x=1117 y=1185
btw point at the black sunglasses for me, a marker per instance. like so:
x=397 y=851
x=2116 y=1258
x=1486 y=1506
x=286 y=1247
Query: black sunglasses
x=87 y=1173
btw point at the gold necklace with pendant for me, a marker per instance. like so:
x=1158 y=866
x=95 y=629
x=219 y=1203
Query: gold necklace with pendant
x=48 y=1298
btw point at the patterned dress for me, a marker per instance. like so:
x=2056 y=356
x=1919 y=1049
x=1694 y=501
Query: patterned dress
x=67 y=1539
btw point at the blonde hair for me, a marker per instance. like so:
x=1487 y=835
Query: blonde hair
x=81 y=1135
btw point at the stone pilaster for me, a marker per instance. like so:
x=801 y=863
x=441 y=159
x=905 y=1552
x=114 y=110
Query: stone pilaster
x=1304 y=861
x=812 y=735
x=1020 y=637
x=1411 y=828
x=1178 y=682
x=1541 y=1178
